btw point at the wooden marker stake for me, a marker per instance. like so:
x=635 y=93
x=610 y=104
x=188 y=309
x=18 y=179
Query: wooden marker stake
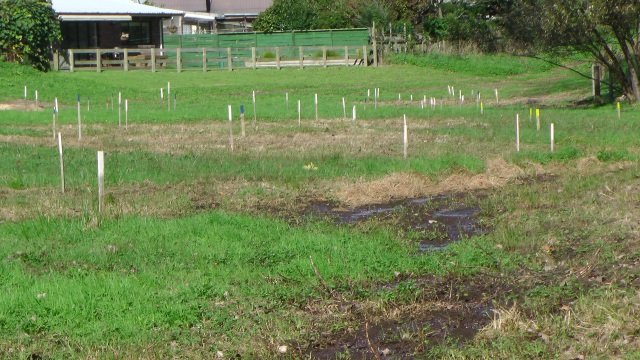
x=61 y=161
x=126 y=114
x=286 y=100
x=518 y=132
x=619 y=109
x=405 y=138
x=530 y=114
x=230 y=129
x=368 y=94
x=25 y=92
x=162 y=96
x=538 y=119
x=481 y=108
x=79 y=121
x=37 y=102
x=497 y=96
x=316 y=103
x=344 y=108
x=169 y=96
x=56 y=110
x=119 y=109
x=242 y=132
x=100 y=181
x=354 y=118
x=255 y=117
x=551 y=130
x=299 y=114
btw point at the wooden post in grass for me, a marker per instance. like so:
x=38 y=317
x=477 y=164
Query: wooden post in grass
x=119 y=109
x=169 y=95
x=255 y=116
x=100 y=181
x=481 y=108
x=497 y=96
x=316 y=104
x=530 y=114
x=242 y=132
x=56 y=109
x=162 y=96
x=230 y=128
x=354 y=114
x=286 y=101
x=179 y=60
x=518 y=132
x=619 y=109
x=126 y=114
x=344 y=108
x=25 y=92
x=552 y=133
x=37 y=100
x=538 y=119
x=79 y=120
x=368 y=95
x=299 y=115
x=61 y=161
x=399 y=97
x=405 y=138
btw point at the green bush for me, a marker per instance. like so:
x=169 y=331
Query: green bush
x=28 y=29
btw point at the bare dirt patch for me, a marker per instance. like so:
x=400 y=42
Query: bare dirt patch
x=21 y=105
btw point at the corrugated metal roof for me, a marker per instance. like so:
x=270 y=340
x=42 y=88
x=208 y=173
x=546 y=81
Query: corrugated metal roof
x=109 y=7
x=186 y=5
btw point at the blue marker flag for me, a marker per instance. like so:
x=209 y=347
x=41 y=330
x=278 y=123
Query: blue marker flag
x=78 y=96
x=241 y=109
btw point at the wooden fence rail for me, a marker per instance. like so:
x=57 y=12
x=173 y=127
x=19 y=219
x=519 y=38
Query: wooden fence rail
x=207 y=59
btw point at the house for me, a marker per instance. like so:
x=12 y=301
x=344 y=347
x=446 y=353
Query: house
x=87 y=24
x=215 y=15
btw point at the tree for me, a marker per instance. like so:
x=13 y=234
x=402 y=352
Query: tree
x=28 y=28
x=284 y=15
x=607 y=29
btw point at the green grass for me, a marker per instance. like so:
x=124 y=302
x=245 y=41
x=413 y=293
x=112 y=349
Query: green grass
x=163 y=274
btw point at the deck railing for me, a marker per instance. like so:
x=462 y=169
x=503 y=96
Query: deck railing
x=207 y=59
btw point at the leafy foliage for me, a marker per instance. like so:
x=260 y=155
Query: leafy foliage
x=28 y=28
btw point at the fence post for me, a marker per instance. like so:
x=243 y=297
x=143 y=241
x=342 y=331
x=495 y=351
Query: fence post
x=229 y=59
x=324 y=56
x=153 y=59
x=301 y=53
x=365 y=55
x=596 y=77
x=346 y=56
x=278 y=58
x=71 y=60
x=98 y=60
x=179 y=59
x=375 y=45
x=253 y=57
x=126 y=59
x=204 y=60
x=56 y=61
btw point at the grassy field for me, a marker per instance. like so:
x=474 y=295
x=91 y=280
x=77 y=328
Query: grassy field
x=205 y=252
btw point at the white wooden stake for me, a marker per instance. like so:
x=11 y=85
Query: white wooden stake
x=242 y=132
x=518 y=132
x=286 y=100
x=299 y=114
x=255 y=117
x=405 y=138
x=399 y=97
x=411 y=97
x=162 y=96
x=481 y=108
x=368 y=94
x=344 y=108
x=316 y=102
x=88 y=104
x=61 y=161
x=79 y=121
x=538 y=119
x=230 y=128
x=354 y=118
x=126 y=114
x=169 y=95
x=530 y=114
x=619 y=109
x=497 y=97
x=36 y=98
x=25 y=92
x=119 y=109
x=551 y=130
x=100 y=181
x=56 y=110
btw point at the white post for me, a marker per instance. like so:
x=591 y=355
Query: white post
x=119 y=109
x=405 y=139
x=481 y=108
x=169 y=95
x=462 y=100
x=255 y=117
x=399 y=97
x=344 y=108
x=619 y=107
x=299 y=115
x=126 y=114
x=411 y=97
x=242 y=132
x=538 y=119
x=518 y=132
x=79 y=121
x=162 y=96
x=368 y=94
x=286 y=100
x=100 y=181
x=551 y=129
x=56 y=109
x=230 y=128
x=354 y=114
x=61 y=161
x=316 y=103
x=36 y=98
x=25 y=92
x=497 y=97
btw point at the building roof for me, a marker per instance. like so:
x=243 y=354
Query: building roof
x=240 y=7
x=110 y=7
x=185 y=5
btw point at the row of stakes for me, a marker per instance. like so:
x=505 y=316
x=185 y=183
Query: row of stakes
x=432 y=103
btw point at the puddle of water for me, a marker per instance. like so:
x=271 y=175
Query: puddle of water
x=440 y=219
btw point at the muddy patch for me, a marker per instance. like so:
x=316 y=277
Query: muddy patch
x=447 y=309
x=21 y=105
x=432 y=222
